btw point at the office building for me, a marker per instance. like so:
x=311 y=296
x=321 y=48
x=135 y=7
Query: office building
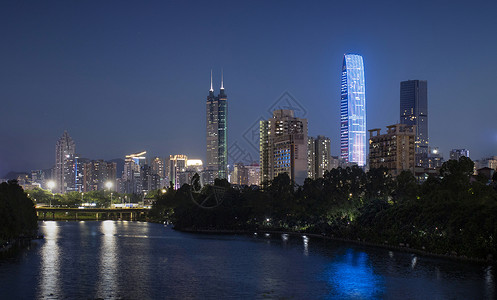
x=414 y=111
x=283 y=147
x=217 y=132
x=353 y=147
x=394 y=150
x=64 y=171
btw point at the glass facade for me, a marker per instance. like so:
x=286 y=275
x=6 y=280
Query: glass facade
x=414 y=111
x=217 y=133
x=353 y=111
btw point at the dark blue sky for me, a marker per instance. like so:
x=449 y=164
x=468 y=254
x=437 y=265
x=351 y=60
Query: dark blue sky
x=130 y=76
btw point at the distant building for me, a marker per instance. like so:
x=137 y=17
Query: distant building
x=131 y=181
x=283 y=146
x=97 y=173
x=254 y=174
x=488 y=162
x=217 y=132
x=38 y=177
x=64 y=171
x=150 y=179
x=79 y=170
x=157 y=165
x=240 y=174
x=414 y=111
x=353 y=111
x=394 y=150
x=435 y=158
x=319 y=156
x=185 y=175
x=455 y=154
x=177 y=164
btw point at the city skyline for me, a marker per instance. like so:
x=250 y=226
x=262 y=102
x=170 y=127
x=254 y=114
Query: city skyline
x=121 y=87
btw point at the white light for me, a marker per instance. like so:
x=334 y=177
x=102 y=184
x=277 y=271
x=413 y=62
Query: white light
x=51 y=184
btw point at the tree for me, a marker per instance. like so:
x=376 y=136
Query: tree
x=17 y=212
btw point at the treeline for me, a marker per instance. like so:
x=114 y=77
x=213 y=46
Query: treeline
x=450 y=214
x=17 y=213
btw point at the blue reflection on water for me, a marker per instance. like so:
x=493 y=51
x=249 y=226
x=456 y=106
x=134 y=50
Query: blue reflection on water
x=350 y=276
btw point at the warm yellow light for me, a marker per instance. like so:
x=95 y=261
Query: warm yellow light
x=137 y=155
x=194 y=162
x=164 y=191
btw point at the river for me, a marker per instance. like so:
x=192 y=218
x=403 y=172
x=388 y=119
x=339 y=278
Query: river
x=137 y=260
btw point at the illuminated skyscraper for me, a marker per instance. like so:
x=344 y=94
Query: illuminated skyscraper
x=414 y=111
x=353 y=111
x=64 y=173
x=217 y=132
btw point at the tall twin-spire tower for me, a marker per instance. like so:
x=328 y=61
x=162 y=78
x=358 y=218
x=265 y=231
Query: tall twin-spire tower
x=217 y=132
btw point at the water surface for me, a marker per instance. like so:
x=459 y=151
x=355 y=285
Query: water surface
x=135 y=260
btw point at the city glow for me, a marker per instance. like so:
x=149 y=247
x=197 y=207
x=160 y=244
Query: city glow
x=194 y=162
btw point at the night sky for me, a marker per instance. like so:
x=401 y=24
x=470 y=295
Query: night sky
x=127 y=76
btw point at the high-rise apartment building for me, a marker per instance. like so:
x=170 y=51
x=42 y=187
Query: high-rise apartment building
x=414 y=111
x=96 y=175
x=319 y=156
x=283 y=147
x=217 y=132
x=353 y=111
x=458 y=153
x=394 y=150
x=64 y=171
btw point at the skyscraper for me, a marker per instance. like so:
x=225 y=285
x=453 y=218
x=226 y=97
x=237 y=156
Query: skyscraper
x=217 y=132
x=319 y=156
x=414 y=111
x=64 y=173
x=131 y=182
x=283 y=147
x=353 y=111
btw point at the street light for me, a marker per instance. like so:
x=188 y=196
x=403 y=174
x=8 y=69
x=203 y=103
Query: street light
x=51 y=185
x=109 y=185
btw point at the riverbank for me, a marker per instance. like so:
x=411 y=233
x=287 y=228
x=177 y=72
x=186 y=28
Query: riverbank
x=401 y=248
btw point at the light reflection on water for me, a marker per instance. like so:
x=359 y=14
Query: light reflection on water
x=108 y=261
x=50 y=262
x=133 y=260
x=351 y=276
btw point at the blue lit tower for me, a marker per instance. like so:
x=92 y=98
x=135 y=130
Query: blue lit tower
x=353 y=111
x=217 y=133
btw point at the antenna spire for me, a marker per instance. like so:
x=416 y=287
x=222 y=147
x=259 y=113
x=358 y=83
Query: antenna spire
x=222 y=82
x=211 y=90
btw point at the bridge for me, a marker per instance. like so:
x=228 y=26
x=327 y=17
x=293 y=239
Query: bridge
x=131 y=214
